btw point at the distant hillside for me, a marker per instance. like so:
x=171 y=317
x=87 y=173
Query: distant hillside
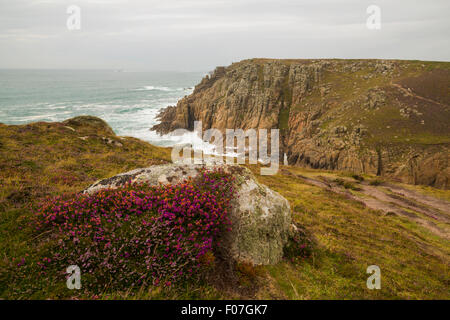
x=384 y=117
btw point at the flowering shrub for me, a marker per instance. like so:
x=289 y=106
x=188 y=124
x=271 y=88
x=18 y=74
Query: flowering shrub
x=298 y=247
x=138 y=234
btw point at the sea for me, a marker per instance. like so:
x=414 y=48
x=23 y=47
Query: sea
x=128 y=101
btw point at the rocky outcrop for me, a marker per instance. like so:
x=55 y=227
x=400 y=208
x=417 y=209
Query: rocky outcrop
x=261 y=218
x=88 y=124
x=364 y=116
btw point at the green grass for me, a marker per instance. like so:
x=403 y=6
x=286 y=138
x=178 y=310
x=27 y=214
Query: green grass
x=261 y=77
x=47 y=159
x=348 y=238
x=384 y=124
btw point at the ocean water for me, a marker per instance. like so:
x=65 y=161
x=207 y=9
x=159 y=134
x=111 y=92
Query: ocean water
x=128 y=101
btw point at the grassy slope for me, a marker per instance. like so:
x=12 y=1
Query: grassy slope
x=348 y=238
x=348 y=89
x=429 y=80
x=49 y=158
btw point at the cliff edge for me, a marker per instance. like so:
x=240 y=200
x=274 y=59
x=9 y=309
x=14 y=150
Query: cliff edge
x=385 y=117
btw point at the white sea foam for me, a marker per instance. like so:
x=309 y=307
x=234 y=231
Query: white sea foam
x=129 y=113
x=160 y=88
x=40 y=117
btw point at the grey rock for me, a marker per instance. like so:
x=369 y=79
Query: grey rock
x=261 y=218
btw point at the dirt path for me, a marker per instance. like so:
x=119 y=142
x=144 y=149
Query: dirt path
x=415 y=204
x=391 y=200
x=409 y=93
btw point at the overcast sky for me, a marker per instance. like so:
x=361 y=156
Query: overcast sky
x=197 y=35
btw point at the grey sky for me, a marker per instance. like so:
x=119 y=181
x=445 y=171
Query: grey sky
x=193 y=35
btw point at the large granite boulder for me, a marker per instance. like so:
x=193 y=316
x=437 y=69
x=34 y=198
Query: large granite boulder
x=261 y=218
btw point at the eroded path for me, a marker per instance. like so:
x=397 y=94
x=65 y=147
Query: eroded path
x=408 y=92
x=430 y=212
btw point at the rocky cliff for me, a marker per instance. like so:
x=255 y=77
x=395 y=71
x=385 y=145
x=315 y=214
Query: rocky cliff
x=384 y=117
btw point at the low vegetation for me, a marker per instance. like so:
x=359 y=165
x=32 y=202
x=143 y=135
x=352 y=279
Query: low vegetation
x=129 y=238
x=346 y=238
x=44 y=166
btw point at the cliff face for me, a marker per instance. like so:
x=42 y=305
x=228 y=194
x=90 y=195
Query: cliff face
x=385 y=117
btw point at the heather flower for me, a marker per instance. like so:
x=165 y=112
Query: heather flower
x=137 y=234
